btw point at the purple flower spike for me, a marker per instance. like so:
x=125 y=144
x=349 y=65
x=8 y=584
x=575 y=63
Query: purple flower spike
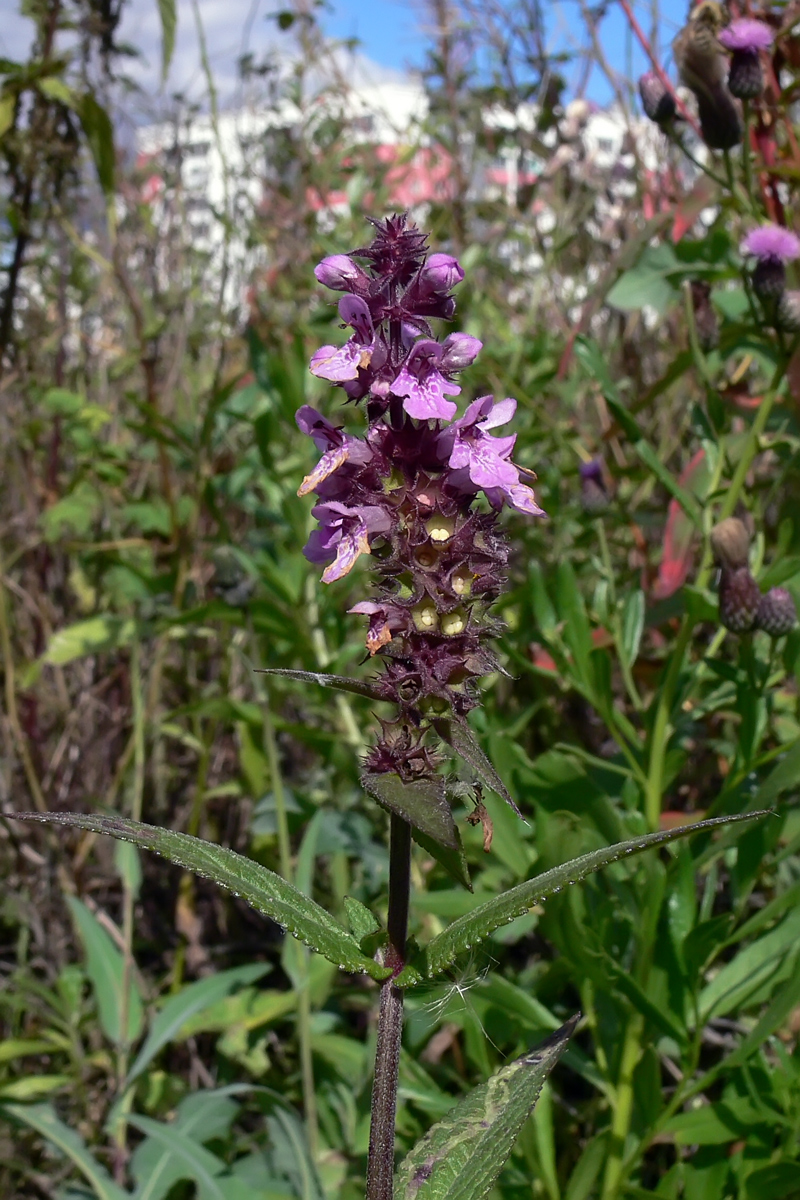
x=771 y=243
x=423 y=385
x=340 y=363
x=340 y=274
x=747 y=36
x=343 y=535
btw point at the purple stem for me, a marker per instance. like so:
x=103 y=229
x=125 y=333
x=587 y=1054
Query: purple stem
x=380 y=1165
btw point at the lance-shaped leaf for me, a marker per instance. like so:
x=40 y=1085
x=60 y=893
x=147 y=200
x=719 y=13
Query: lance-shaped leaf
x=461 y=1156
x=341 y=683
x=457 y=733
x=473 y=927
x=262 y=889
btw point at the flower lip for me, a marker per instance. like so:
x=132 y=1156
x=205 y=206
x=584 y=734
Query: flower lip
x=422 y=384
x=771 y=242
x=747 y=36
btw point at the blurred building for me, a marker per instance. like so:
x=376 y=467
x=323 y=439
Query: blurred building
x=219 y=170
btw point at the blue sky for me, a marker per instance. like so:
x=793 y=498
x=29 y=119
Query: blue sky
x=390 y=32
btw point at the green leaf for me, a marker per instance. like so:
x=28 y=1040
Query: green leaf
x=196 y=1162
x=467 y=931
x=42 y=1118
x=453 y=861
x=462 y=1155
x=32 y=1087
x=190 y=1001
x=92 y=636
x=422 y=803
x=106 y=970
x=341 y=683
x=651 y=282
x=632 y=626
x=361 y=921
x=169 y=23
x=8 y=103
x=457 y=733
x=100 y=135
x=262 y=889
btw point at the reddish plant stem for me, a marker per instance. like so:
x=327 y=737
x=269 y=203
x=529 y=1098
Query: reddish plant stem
x=380 y=1164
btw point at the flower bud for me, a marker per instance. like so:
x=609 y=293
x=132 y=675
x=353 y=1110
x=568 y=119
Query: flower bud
x=339 y=273
x=657 y=102
x=739 y=599
x=776 y=614
x=441 y=273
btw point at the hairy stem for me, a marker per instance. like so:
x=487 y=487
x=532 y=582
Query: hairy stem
x=380 y=1167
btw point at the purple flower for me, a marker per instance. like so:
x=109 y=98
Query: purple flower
x=338 y=447
x=771 y=243
x=422 y=384
x=341 y=274
x=384 y=621
x=343 y=535
x=340 y=363
x=468 y=445
x=747 y=36
x=422 y=379
x=474 y=455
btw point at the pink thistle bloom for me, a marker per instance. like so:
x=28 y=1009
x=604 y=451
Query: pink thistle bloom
x=771 y=243
x=747 y=36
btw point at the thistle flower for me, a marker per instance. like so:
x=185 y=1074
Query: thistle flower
x=772 y=246
x=407 y=491
x=746 y=38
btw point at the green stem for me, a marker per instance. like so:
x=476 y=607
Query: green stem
x=380 y=1165
x=623 y=1107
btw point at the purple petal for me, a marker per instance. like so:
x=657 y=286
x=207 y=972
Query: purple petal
x=425 y=397
x=501 y=414
x=330 y=462
x=523 y=500
x=771 y=242
x=487 y=470
x=337 y=363
x=354 y=311
x=338 y=272
x=442 y=272
x=350 y=548
x=747 y=35
x=459 y=350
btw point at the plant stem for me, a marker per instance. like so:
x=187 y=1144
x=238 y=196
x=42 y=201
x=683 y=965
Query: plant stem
x=623 y=1106
x=380 y=1166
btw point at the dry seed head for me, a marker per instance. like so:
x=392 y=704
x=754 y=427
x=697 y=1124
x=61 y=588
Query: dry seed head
x=730 y=543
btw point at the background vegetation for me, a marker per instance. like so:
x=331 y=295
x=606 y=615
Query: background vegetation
x=158 y=1036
